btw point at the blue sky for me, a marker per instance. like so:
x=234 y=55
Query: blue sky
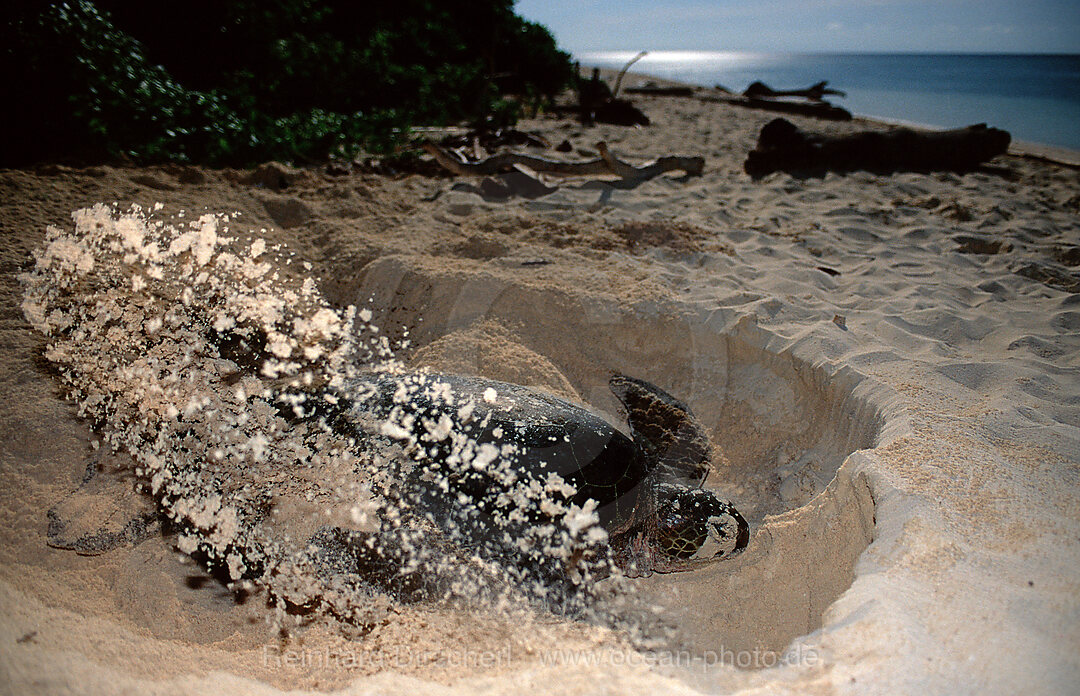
x=988 y=26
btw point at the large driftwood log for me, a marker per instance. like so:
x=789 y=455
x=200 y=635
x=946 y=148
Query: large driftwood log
x=608 y=164
x=816 y=91
x=783 y=147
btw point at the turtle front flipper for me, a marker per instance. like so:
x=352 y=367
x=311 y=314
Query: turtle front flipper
x=665 y=429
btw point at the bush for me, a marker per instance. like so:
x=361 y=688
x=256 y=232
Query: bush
x=237 y=81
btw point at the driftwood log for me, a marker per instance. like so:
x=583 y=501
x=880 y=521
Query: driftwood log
x=608 y=164
x=655 y=90
x=597 y=104
x=492 y=139
x=816 y=91
x=815 y=109
x=782 y=146
x=618 y=112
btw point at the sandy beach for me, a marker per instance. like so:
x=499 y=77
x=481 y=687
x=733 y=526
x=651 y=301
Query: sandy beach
x=889 y=366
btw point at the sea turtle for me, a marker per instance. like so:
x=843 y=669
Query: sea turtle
x=494 y=460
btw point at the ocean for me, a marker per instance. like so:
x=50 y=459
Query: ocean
x=1034 y=97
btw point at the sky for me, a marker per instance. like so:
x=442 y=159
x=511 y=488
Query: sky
x=980 y=26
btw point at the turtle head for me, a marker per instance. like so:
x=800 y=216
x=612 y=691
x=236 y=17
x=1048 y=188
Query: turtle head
x=693 y=524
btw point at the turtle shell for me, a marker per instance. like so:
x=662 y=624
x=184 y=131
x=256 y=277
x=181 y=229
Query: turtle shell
x=496 y=464
x=456 y=427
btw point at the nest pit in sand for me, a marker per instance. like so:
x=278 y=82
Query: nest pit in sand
x=785 y=426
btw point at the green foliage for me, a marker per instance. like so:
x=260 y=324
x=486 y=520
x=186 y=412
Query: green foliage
x=237 y=81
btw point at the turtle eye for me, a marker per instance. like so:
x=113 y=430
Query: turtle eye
x=680 y=536
x=680 y=528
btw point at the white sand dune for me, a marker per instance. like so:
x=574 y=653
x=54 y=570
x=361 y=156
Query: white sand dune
x=889 y=364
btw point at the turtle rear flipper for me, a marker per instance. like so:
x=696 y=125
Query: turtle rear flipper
x=666 y=429
x=100 y=515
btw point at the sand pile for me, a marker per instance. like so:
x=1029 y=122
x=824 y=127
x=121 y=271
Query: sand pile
x=887 y=366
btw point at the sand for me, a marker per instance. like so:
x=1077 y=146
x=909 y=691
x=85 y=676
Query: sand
x=888 y=364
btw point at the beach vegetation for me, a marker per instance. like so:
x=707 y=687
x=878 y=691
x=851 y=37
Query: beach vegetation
x=232 y=82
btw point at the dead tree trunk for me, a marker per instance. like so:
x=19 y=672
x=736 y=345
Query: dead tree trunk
x=783 y=147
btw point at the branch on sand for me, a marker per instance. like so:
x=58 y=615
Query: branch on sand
x=607 y=165
x=622 y=73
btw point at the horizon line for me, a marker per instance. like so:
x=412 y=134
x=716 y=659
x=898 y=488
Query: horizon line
x=742 y=51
